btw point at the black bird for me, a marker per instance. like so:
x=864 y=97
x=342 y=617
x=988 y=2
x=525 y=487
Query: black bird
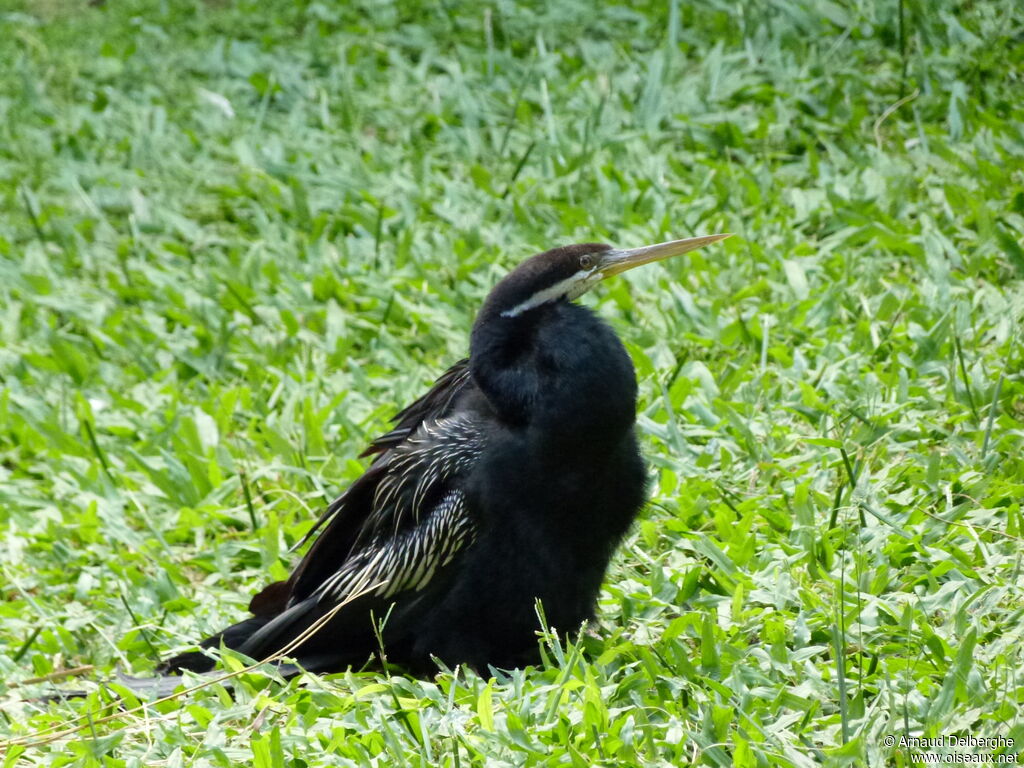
x=512 y=480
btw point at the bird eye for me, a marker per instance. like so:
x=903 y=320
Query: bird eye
x=586 y=261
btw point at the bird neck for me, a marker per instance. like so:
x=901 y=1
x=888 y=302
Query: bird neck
x=557 y=368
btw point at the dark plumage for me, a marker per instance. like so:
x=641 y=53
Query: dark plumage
x=513 y=479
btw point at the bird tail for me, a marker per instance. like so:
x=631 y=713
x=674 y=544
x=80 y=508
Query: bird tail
x=259 y=637
x=249 y=637
x=234 y=637
x=330 y=647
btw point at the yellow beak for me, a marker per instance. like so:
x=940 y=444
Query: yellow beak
x=615 y=261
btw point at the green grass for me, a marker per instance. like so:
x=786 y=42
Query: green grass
x=236 y=236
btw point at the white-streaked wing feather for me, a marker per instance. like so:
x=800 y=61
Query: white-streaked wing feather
x=408 y=560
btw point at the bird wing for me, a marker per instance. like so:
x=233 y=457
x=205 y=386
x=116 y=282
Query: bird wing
x=404 y=518
x=436 y=403
x=407 y=561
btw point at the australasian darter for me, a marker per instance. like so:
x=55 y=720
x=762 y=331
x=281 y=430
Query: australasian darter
x=512 y=480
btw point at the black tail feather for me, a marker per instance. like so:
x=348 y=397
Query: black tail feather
x=332 y=647
x=234 y=637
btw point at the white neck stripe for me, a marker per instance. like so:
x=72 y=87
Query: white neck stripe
x=552 y=292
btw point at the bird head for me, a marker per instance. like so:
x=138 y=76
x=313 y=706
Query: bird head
x=571 y=271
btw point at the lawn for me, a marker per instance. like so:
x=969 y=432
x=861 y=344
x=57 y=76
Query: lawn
x=237 y=236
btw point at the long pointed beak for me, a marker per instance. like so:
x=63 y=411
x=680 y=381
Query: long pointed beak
x=615 y=261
